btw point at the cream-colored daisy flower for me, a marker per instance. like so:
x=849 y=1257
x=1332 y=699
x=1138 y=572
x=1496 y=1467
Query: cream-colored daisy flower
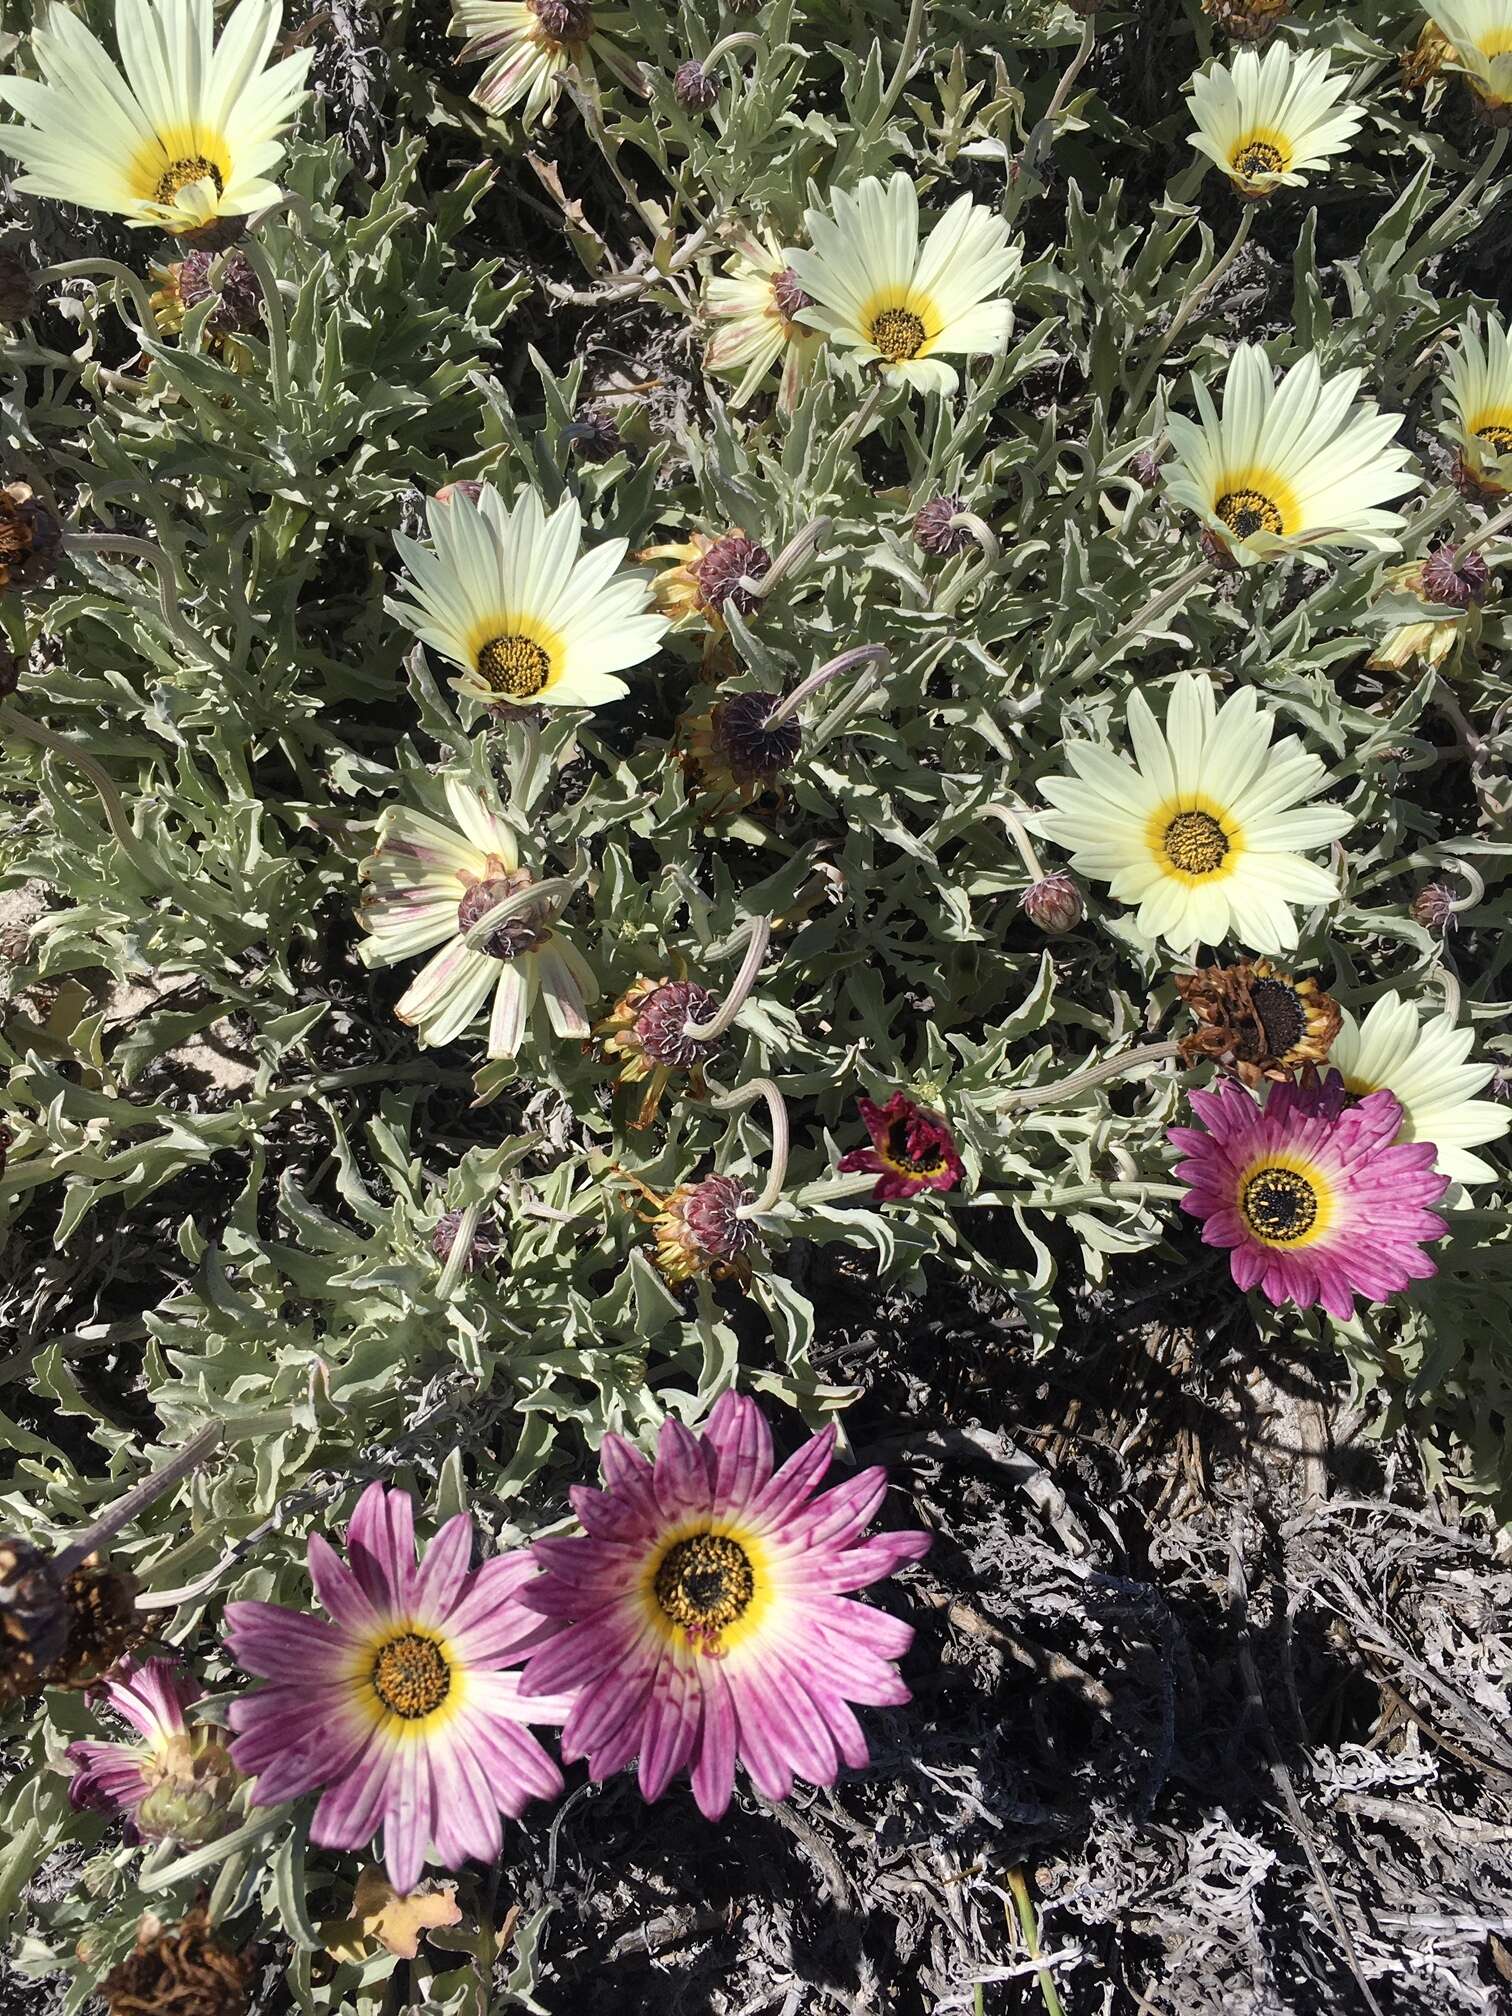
x=531 y=46
x=1480 y=35
x=509 y=596
x=757 y=300
x=884 y=298
x=1290 y=465
x=1205 y=829
x=190 y=133
x=1266 y=119
x=1478 y=388
x=1425 y=1065
x=430 y=884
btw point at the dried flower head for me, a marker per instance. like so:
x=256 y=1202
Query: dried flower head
x=1256 y=1020
x=699 y=1230
x=1054 y=903
x=935 y=533
x=647 y=1033
x=103 y=1623
x=722 y=570
x=1459 y=579
x=1247 y=20
x=33 y=1619
x=189 y=1971
x=30 y=539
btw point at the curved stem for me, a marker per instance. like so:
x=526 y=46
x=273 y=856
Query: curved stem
x=74 y=269
x=742 y=39
x=1083 y=1081
x=1471 y=189
x=745 y=980
x=257 y=258
x=862 y=654
x=730 y=1102
x=790 y=558
x=461 y=1252
x=857 y=424
x=140 y=1496
x=169 y=586
x=1009 y=815
x=549 y=891
x=1189 y=305
x=982 y=533
x=1477 y=887
x=115 y=812
x=1487 y=532
x=912 y=31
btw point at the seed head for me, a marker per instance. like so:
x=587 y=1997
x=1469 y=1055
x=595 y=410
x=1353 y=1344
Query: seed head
x=1054 y=904
x=789 y=296
x=750 y=746
x=934 y=532
x=719 y=573
x=564 y=20
x=1433 y=907
x=1455 y=578
x=30 y=539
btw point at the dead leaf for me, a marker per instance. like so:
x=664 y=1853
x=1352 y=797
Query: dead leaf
x=382 y=1918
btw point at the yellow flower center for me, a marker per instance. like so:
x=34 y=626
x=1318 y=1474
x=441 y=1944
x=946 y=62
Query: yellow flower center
x=1499 y=437
x=179 y=174
x=1258 y=157
x=899 y=334
x=515 y=667
x=1249 y=511
x=704 y=1584
x=1195 y=843
x=410 y=1676
x=1279 y=1206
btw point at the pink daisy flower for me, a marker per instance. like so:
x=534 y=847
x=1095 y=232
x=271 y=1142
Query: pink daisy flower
x=176 y=1782
x=400 y=1707
x=707 y=1613
x=912 y=1150
x=1312 y=1193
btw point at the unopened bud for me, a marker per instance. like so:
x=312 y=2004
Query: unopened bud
x=935 y=533
x=463 y=487
x=1054 y=904
x=696 y=88
x=1433 y=907
x=1455 y=578
x=1145 y=468
x=720 y=571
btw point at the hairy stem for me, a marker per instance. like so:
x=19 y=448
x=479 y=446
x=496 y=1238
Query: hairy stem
x=912 y=32
x=745 y=980
x=73 y=269
x=1082 y=1081
x=862 y=654
x=145 y=863
x=169 y=586
x=257 y=258
x=188 y=1459
x=1137 y=624
x=1013 y=820
x=744 y=1095
x=792 y=556
x=555 y=889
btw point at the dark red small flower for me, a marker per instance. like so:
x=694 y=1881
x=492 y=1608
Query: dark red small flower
x=912 y=1150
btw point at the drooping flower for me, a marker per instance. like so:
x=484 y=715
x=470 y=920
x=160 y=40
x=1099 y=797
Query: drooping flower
x=190 y=134
x=507 y=594
x=708 y=1612
x=531 y=48
x=1480 y=36
x=733 y=755
x=703 y=1228
x=1426 y=1067
x=1290 y=466
x=1478 y=390
x=187 y=1968
x=647 y=1031
x=1206 y=834
x=935 y=529
x=177 y=1782
x=880 y=295
x=1313 y=1196
x=1450 y=583
x=757 y=300
x=912 y=1150
x=1256 y=1020
x=1265 y=120
x=1248 y=20
x=402 y=1710
x=430 y=885
x=706 y=575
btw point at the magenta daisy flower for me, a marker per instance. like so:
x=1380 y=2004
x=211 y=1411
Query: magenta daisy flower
x=176 y=1782
x=400 y=1707
x=707 y=1613
x=911 y=1150
x=1312 y=1194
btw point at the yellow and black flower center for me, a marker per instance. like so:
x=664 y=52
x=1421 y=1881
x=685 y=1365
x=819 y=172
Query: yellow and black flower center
x=1281 y=1013
x=1279 y=1206
x=1497 y=437
x=180 y=174
x=1195 y=843
x=928 y=1162
x=898 y=333
x=410 y=1676
x=705 y=1584
x=515 y=667
x=1258 y=157
x=1248 y=512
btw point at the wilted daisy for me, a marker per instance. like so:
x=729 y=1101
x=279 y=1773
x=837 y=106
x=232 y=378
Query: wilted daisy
x=1478 y=387
x=192 y=132
x=530 y=47
x=708 y=1615
x=430 y=884
x=757 y=299
x=508 y=594
x=912 y=1150
x=1266 y=119
x=1480 y=35
x=1257 y=1021
x=1205 y=829
x=1314 y=1196
x=400 y=1710
x=884 y=298
x=1426 y=1067
x=647 y=1032
x=176 y=1782
x=1288 y=466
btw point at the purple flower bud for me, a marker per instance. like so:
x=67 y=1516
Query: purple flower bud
x=788 y=295
x=1145 y=468
x=720 y=570
x=1456 y=578
x=1054 y=904
x=1433 y=907
x=563 y=20
x=934 y=531
x=696 y=88
x=749 y=746
x=661 y=1026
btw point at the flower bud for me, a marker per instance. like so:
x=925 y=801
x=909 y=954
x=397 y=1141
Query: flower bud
x=463 y=487
x=191 y=1788
x=789 y=296
x=1145 y=468
x=747 y=742
x=934 y=532
x=564 y=20
x=1456 y=578
x=238 y=297
x=18 y=294
x=1054 y=904
x=1433 y=907
x=697 y=89
x=719 y=573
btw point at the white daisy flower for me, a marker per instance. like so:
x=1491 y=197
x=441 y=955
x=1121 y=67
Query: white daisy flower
x=1289 y=465
x=1206 y=833
x=1266 y=119
x=1480 y=35
x=429 y=884
x=530 y=46
x=192 y=131
x=758 y=300
x=1478 y=387
x=509 y=596
x=1424 y=1064
x=883 y=297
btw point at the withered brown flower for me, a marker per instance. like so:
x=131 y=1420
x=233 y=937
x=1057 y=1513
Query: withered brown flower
x=188 y=1971
x=1256 y=1020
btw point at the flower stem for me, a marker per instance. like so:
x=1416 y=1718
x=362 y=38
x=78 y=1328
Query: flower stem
x=1030 y=1930
x=542 y=893
x=744 y=1095
x=1011 y=818
x=72 y=269
x=1487 y=532
x=273 y=310
x=912 y=31
x=862 y=654
x=742 y=39
x=857 y=424
x=796 y=551
x=982 y=533
x=115 y=812
x=1137 y=624
x=169 y=586
x=1043 y=135
x=140 y=1496
x=457 y=1259
x=1189 y=305
x=745 y=980
x=1017 y=1101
